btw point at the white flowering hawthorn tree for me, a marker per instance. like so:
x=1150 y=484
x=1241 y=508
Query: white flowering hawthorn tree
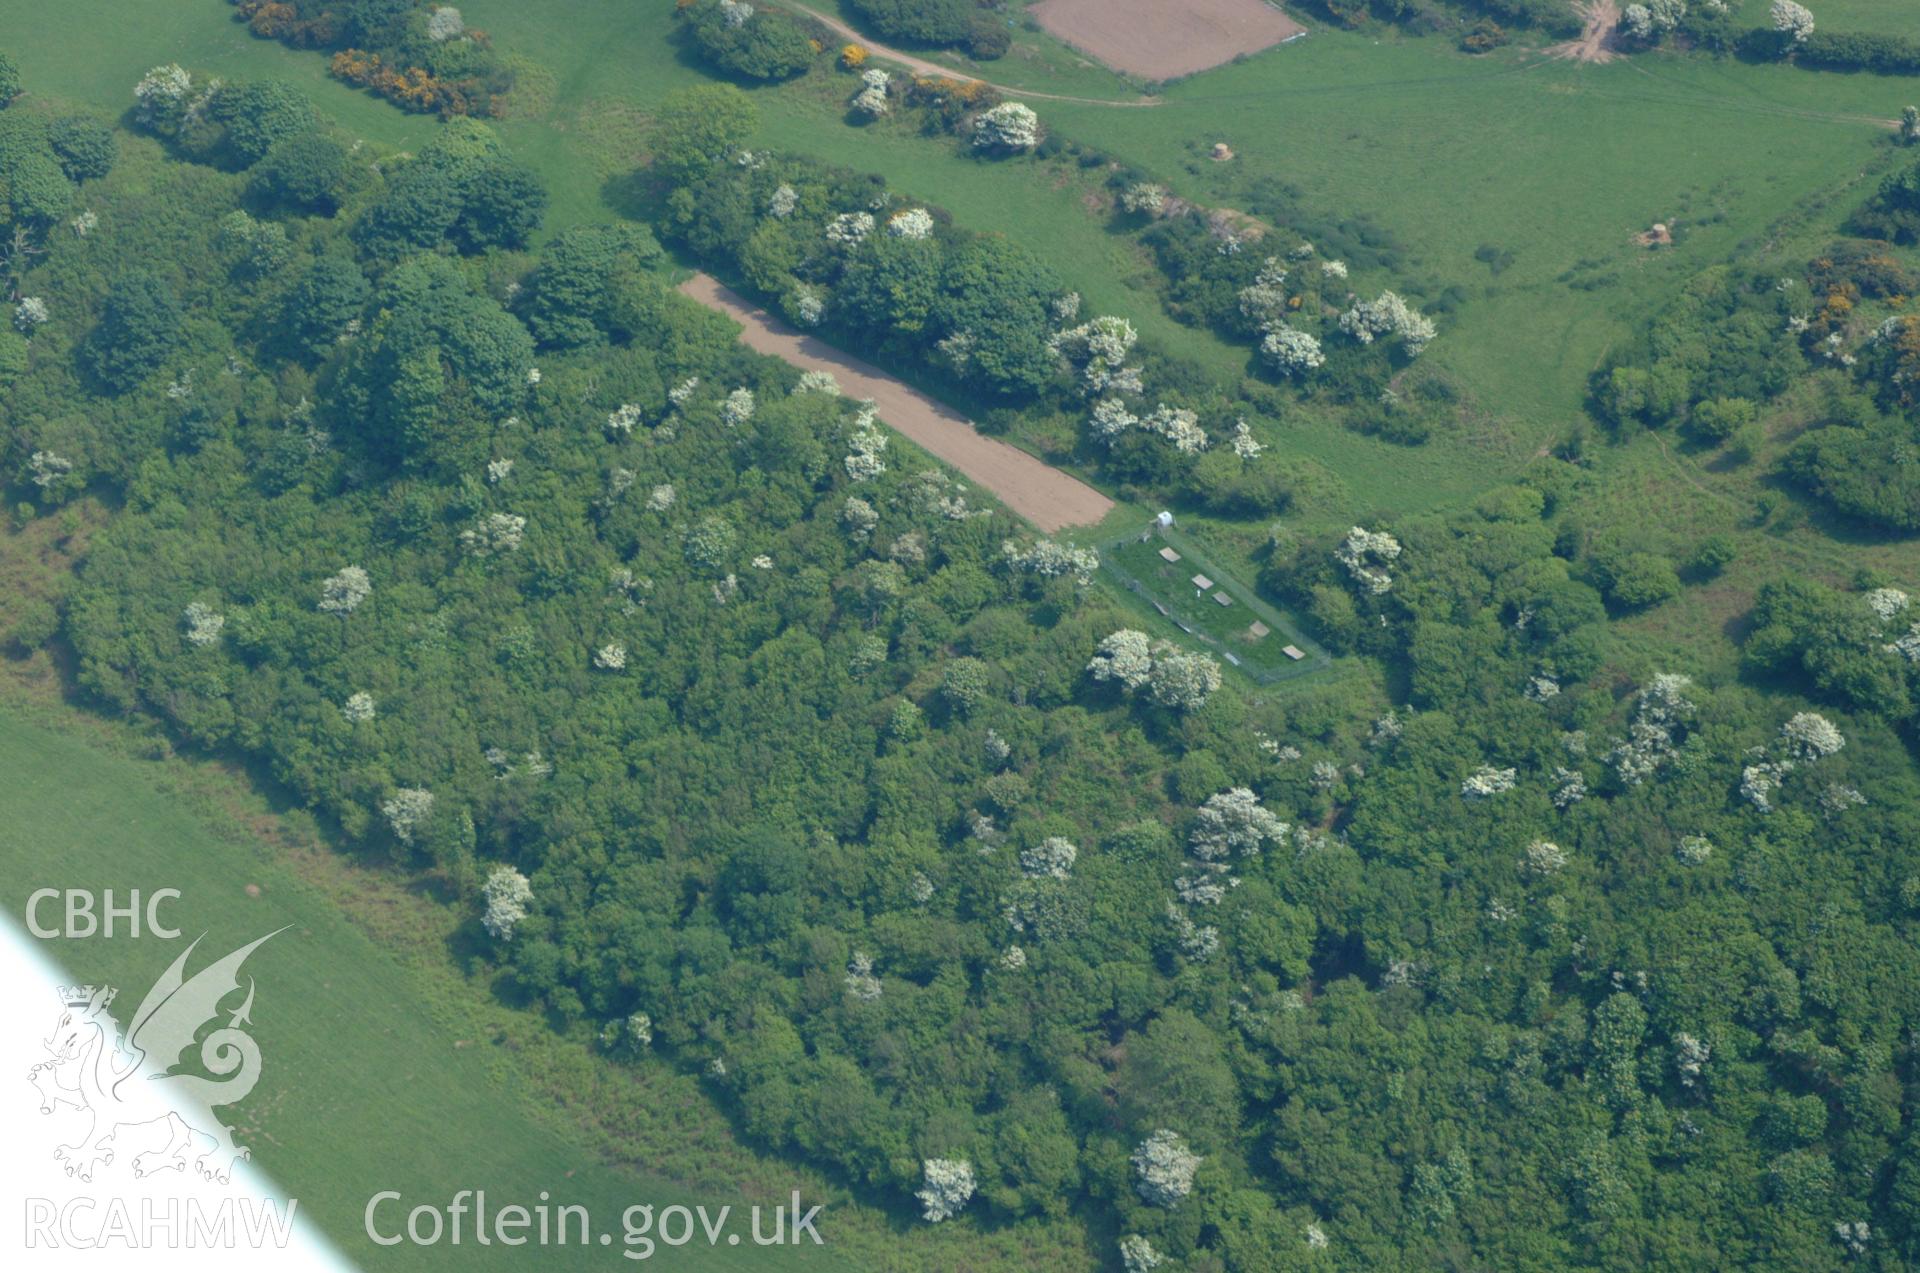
x=344 y=592
x=807 y=305
x=1168 y=675
x=1887 y=603
x=862 y=985
x=1052 y=858
x=1050 y=559
x=1365 y=554
x=1544 y=857
x=1178 y=426
x=1233 y=823
x=1388 y=314
x=1007 y=128
x=1125 y=656
x=871 y=100
x=1908 y=646
x=859 y=518
x=911 y=223
x=445 y=23
x=161 y=93
x=204 y=624
x=946 y=1186
x=1757 y=784
x=494 y=535
x=406 y=810
x=849 y=228
x=1292 y=352
x=1198 y=942
x=1245 y=445
x=1795 y=21
x=1137 y=1254
x=1693 y=850
x=506 y=895
x=49 y=470
x=1659 y=717
x=1098 y=350
x=1809 y=736
x=1264 y=301
x=737 y=408
x=1181 y=679
x=1486 y=781
x=1163 y=1168
x=621 y=419
x=866 y=446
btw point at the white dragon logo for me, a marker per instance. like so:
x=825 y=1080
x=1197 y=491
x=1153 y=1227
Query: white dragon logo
x=127 y=1088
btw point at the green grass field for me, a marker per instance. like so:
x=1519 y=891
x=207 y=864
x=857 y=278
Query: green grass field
x=1555 y=163
x=1139 y=571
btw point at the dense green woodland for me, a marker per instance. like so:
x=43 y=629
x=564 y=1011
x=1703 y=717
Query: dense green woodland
x=761 y=748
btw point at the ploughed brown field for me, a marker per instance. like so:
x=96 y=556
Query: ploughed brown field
x=1165 y=39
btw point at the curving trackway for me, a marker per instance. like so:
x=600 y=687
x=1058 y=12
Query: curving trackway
x=924 y=67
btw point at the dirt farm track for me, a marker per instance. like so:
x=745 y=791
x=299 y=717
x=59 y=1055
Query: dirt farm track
x=1158 y=40
x=1045 y=496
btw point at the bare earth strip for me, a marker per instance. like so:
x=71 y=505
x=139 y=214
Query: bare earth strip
x=1162 y=41
x=1043 y=495
x=1596 y=39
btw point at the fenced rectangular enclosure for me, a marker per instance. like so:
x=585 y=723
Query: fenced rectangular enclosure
x=1212 y=608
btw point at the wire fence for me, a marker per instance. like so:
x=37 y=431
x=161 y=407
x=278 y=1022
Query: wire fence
x=1171 y=606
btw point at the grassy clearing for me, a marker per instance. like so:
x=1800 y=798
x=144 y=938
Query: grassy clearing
x=1167 y=589
x=1670 y=494
x=1554 y=163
